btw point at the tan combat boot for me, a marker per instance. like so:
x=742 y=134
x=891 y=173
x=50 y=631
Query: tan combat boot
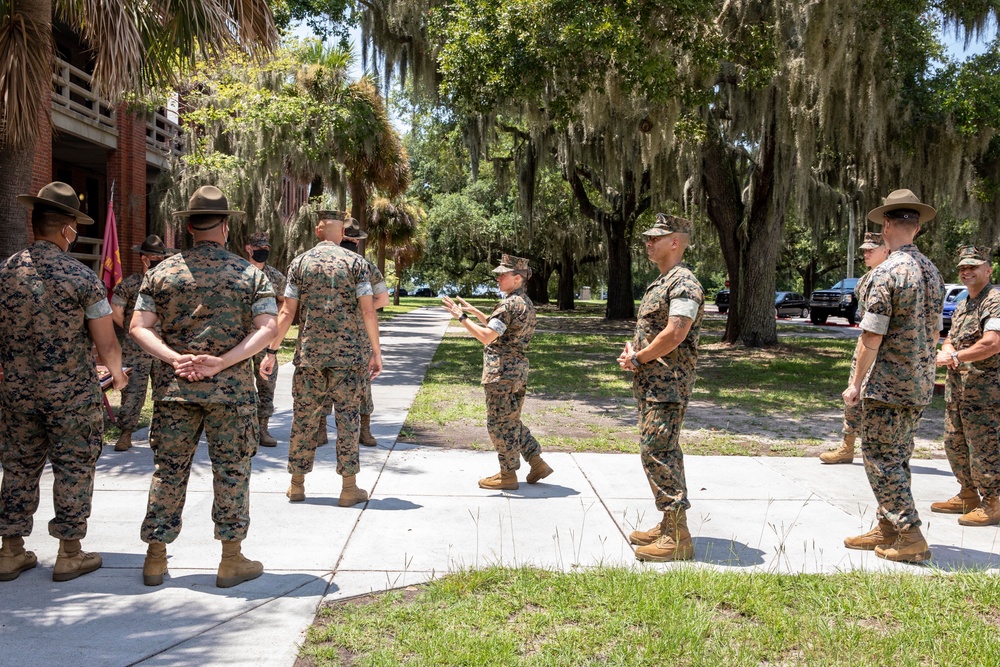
x=367 y=439
x=124 y=442
x=843 y=454
x=966 y=501
x=266 y=439
x=674 y=542
x=987 y=514
x=297 y=491
x=14 y=559
x=235 y=568
x=73 y=562
x=909 y=547
x=883 y=534
x=502 y=481
x=539 y=469
x=350 y=494
x=643 y=537
x=155 y=565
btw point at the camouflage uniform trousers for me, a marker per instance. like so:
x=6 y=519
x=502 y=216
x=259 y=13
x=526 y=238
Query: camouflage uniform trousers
x=367 y=405
x=660 y=452
x=972 y=443
x=508 y=433
x=852 y=413
x=265 y=388
x=313 y=390
x=232 y=433
x=71 y=440
x=134 y=394
x=887 y=444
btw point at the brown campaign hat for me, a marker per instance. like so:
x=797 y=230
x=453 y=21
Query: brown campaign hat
x=207 y=200
x=898 y=204
x=668 y=224
x=352 y=231
x=153 y=245
x=59 y=197
x=972 y=255
x=872 y=240
x=512 y=263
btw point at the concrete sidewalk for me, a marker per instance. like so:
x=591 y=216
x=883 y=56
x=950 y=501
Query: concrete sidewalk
x=426 y=517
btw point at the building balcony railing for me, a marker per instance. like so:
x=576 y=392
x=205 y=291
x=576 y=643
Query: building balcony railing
x=72 y=92
x=163 y=134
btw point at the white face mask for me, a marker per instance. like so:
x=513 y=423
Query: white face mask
x=69 y=244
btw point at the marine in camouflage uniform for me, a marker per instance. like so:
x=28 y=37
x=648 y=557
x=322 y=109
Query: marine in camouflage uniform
x=327 y=286
x=895 y=375
x=875 y=252
x=663 y=355
x=258 y=250
x=506 y=334
x=214 y=310
x=380 y=298
x=53 y=309
x=151 y=252
x=972 y=395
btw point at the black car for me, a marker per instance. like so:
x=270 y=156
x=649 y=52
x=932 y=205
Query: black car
x=424 y=291
x=836 y=301
x=722 y=300
x=790 y=304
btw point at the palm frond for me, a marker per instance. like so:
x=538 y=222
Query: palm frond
x=25 y=70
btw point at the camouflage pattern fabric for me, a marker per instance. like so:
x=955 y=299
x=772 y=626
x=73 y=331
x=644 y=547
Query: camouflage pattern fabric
x=904 y=306
x=134 y=395
x=313 y=389
x=852 y=413
x=231 y=431
x=504 y=360
x=378 y=287
x=265 y=387
x=675 y=293
x=510 y=437
x=660 y=452
x=277 y=279
x=71 y=440
x=972 y=395
x=887 y=444
x=46 y=297
x=328 y=281
x=206 y=299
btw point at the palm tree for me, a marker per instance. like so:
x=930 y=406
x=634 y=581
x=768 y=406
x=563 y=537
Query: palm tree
x=405 y=256
x=136 y=45
x=393 y=224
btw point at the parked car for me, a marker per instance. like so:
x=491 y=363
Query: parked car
x=951 y=300
x=423 y=291
x=836 y=301
x=790 y=304
x=402 y=291
x=722 y=300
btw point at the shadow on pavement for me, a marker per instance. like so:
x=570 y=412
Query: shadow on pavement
x=719 y=551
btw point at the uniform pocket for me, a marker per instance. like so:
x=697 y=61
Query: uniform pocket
x=249 y=428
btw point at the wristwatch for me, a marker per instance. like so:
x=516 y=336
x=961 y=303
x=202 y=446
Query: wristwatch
x=463 y=317
x=954 y=355
x=270 y=351
x=635 y=359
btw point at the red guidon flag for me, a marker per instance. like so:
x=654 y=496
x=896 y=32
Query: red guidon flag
x=111 y=260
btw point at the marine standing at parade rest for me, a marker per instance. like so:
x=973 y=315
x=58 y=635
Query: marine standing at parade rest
x=380 y=299
x=971 y=353
x=898 y=342
x=506 y=334
x=151 y=252
x=203 y=314
x=663 y=355
x=327 y=286
x=258 y=250
x=53 y=310
x=875 y=252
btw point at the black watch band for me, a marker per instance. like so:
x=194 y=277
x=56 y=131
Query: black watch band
x=270 y=351
x=463 y=317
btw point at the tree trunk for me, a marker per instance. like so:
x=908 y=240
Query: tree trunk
x=537 y=286
x=17 y=158
x=359 y=211
x=566 y=296
x=621 y=301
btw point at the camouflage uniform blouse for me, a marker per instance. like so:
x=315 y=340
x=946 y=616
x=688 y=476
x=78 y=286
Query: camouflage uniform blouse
x=975 y=381
x=861 y=290
x=277 y=279
x=904 y=307
x=676 y=293
x=126 y=292
x=206 y=299
x=504 y=359
x=378 y=287
x=328 y=281
x=46 y=297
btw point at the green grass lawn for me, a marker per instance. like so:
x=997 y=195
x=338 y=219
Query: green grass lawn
x=681 y=616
